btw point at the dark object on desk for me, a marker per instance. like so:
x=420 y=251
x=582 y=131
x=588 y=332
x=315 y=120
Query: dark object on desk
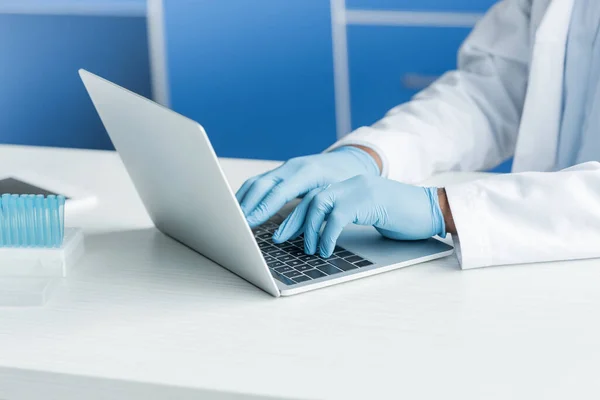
x=15 y=186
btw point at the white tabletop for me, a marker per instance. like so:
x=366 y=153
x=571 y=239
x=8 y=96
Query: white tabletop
x=144 y=317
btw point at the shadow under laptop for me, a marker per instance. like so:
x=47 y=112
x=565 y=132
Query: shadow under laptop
x=146 y=261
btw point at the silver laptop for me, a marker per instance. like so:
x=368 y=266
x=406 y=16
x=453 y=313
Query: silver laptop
x=179 y=179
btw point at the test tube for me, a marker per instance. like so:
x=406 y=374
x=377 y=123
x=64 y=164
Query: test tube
x=39 y=220
x=29 y=210
x=61 y=217
x=14 y=217
x=47 y=224
x=53 y=209
x=22 y=216
x=1 y=225
x=7 y=219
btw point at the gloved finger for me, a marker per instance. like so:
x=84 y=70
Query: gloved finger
x=293 y=225
x=296 y=234
x=336 y=222
x=277 y=197
x=257 y=191
x=322 y=204
x=239 y=195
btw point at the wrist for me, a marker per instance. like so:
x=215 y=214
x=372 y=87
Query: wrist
x=368 y=159
x=446 y=212
x=438 y=225
x=373 y=154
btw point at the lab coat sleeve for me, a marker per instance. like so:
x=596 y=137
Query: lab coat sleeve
x=468 y=119
x=528 y=217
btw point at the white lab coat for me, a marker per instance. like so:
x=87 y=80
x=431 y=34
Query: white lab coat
x=504 y=99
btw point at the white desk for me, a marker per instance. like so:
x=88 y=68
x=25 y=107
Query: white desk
x=144 y=317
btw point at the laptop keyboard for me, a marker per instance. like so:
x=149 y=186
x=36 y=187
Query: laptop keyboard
x=289 y=264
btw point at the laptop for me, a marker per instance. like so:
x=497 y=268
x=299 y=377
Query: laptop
x=178 y=177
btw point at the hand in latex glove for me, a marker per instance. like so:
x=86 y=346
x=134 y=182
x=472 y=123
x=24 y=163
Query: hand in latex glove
x=396 y=210
x=263 y=196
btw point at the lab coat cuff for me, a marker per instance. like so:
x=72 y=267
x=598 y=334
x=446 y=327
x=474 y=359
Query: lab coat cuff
x=355 y=139
x=472 y=244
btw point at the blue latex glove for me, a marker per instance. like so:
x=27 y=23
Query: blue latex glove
x=263 y=196
x=396 y=210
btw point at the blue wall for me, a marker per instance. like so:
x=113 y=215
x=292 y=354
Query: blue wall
x=387 y=62
x=42 y=100
x=256 y=74
x=422 y=5
x=259 y=74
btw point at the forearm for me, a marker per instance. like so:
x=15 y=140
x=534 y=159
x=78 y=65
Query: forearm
x=527 y=217
x=469 y=118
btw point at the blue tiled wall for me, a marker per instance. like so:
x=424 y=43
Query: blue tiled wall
x=422 y=5
x=390 y=72
x=259 y=75
x=42 y=100
x=256 y=74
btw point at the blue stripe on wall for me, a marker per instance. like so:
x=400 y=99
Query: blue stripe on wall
x=42 y=100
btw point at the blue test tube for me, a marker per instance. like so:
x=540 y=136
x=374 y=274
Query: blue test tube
x=7 y=219
x=61 y=217
x=38 y=204
x=22 y=216
x=1 y=225
x=53 y=209
x=47 y=224
x=28 y=203
x=29 y=212
x=14 y=221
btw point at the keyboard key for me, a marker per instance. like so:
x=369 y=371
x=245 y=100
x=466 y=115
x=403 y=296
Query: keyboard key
x=364 y=263
x=288 y=247
x=308 y=257
x=277 y=253
x=285 y=257
x=283 y=269
x=314 y=273
x=265 y=235
x=301 y=278
x=353 y=259
x=343 y=254
x=337 y=249
x=269 y=227
x=282 y=278
x=298 y=253
x=341 y=264
x=275 y=264
x=268 y=249
x=292 y=274
x=269 y=259
x=317 y=262
x=328 y=269
x=303 y=267
x=294 y=263
x=263 y=244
